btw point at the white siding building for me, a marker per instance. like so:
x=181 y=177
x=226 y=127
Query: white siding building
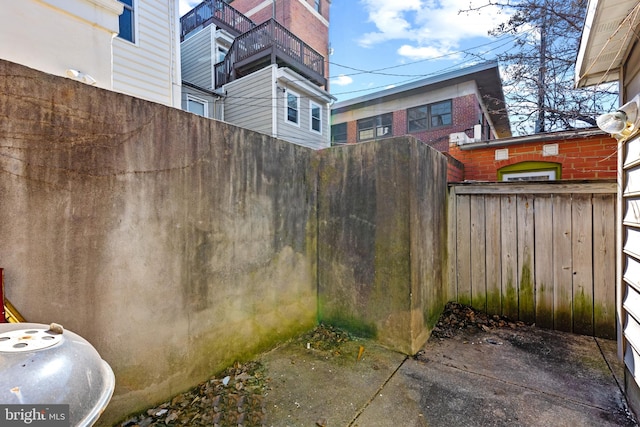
x=609 y=52
x=279 y=102
x=259 y=77
x=59 y=35
x=83 y=39
x=147 y=64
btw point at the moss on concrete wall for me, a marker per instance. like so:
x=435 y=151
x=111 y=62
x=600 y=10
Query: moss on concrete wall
x=382 y=239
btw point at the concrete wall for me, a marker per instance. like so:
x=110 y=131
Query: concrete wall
x=382 y=239
x=176 y=244
x=173 y=243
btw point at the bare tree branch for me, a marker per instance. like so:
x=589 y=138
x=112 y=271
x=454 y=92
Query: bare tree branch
x=539 y=76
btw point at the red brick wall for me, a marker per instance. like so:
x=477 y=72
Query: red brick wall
x=581 y=158
x=455 y=169
x=352 y=132
x=295 y=17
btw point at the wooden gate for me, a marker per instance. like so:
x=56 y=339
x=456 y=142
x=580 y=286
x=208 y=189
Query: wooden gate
x=538 y=252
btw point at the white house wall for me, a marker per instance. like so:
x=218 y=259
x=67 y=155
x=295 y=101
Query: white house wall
x=302 y=134
x=628 y=292
x=632 y=74
x=248 y=101
x=198 y=57
x=150 y=67
x=213 y=104
x=56 y=35
x=256 y=102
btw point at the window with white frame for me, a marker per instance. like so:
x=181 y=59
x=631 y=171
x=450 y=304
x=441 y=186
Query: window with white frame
x=549 y=175
x=530 y=171
x=292 y=107
x=316 y=117
x=127 y=21
x=197 y=106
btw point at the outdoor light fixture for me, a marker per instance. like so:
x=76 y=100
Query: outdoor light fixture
x=624 y=123
x=79 y=75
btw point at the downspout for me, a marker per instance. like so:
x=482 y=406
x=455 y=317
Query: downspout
x=274 y=101
x=175 y=67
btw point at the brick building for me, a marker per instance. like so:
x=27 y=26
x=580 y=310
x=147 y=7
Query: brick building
x=568 y=155
x=308 y=19
x=469 y=101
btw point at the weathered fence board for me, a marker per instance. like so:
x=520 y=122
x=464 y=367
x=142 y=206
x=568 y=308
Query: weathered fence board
x=525 y=239
x=562 y=273
x=536 y=252
x=604 y=289
x=463 y=250
x=478 y=247
x=493 y=261
x=509 y=248
x=582 y=254
x=543 y=224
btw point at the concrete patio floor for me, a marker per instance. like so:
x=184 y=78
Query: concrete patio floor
x=522 y=376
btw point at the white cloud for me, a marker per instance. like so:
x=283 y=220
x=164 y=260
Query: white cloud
x=389 y=17
x=425 y=52
x=431 y=28
x=342 y=80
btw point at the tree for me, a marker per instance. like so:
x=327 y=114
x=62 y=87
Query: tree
x=538 y=73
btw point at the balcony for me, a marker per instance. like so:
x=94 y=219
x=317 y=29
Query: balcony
x=215 y=12
x=265 y=44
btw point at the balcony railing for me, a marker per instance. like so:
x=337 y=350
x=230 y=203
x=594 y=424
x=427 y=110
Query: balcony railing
x=218 y=12
x=271 y=42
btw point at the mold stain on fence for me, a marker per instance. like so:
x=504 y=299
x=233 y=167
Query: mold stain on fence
x=532 y=273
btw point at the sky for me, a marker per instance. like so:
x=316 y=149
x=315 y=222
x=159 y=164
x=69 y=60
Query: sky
x=379 y=44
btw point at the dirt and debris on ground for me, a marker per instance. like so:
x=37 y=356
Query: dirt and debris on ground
x=236 y=396
x=325 y=338
x=457 y=317
x=233 y=398
x=326 y=377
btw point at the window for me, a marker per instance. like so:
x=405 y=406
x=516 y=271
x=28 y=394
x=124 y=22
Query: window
x=339 y=133
x=418 y=118
x=530 y=171
x=530 y=176
x=429 y=116
x=221 y=53
x=375 y=127
x=292 y=108
x=317 y=5
x=127 y=21
x=197 y=106
x=316 y=117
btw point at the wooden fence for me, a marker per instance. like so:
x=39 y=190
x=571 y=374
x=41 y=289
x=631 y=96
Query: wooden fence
x=536 y=252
